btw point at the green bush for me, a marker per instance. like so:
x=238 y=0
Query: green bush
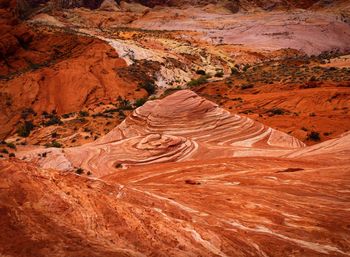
x=234 y=71
x=79 y=171
x=149 y=86
x=25 y=129
x=168 y=91
x=276 y=111
x=314 y=136
x=201 y=72
x=54 y=144
x=247 y=86
x=11 y=145
x=54 y=120
x=246 y=67
x=139 y=102
x=83 y=114
x=26 y=112
x=124 y=104
x=196 y=82
x=4 y=151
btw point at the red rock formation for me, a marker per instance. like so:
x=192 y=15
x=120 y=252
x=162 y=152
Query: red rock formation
x=182 y=126
x=252 y=206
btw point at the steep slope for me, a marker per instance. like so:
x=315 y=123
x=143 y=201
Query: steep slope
x=80 y=72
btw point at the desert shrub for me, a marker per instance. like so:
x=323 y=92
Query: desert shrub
x=54 y=135
x=124 y=104
x=121 y=114
x=79 y=171
x=11 y=145
x=201 y=72
x=54 y=120
x=12 y=155
x=276 y=111
x=139 y=102
x=53 y=144
x=110 y=111
x=168 y=91
x=313 y=79
x=314 y=136
x=149 y=86
x=246 y=67
x=26 y=112
x=83 y=114
x=196 y=82
x=234 y=71
x=25 y=129
x=246 y=86
x=4 y=151
x=67 y=115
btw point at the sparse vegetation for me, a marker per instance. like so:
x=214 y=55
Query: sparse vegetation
x=139 y=102
x=168 y=91
x=201 y=72
x=79 y=171
x=196 y=82
x=234 y=71
x=124 y=104
x=246 y=67
x=53 y=144
x=25 y=129
x=11 y=145
x=26 y=112
x=149 y=86
x=276 y=111
x=246 y=86
x=54 y=120
x=4 y=151
x=83 y=114
x=314 y=136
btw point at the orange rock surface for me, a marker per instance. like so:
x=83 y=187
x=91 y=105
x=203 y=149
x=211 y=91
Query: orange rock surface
x=81 y=75
x=294 y=204
x=180 y=127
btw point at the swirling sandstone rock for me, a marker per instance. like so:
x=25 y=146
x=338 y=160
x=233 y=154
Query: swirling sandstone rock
x=182 y=126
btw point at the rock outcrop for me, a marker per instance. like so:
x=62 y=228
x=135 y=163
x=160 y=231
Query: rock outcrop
x=251 y=206
x=182 y=126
